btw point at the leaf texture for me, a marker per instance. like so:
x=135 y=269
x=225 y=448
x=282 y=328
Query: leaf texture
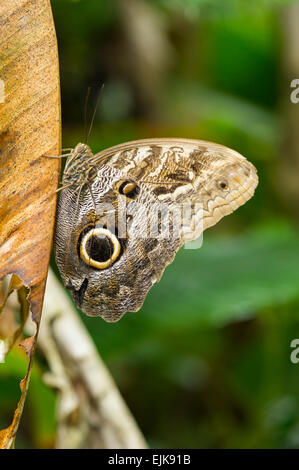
x=29 y=129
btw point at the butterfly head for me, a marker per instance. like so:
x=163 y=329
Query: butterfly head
x=78 y=165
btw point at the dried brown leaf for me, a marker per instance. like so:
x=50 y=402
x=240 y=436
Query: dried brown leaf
x=29 y=129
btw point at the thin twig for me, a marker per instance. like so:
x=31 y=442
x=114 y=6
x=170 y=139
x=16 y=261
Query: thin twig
x=91 y=411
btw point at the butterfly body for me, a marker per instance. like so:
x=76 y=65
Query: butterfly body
x=127 y=210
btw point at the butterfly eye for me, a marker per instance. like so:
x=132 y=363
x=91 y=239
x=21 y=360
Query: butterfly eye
x=222 y=184
x=99 y=248
x=129 y=189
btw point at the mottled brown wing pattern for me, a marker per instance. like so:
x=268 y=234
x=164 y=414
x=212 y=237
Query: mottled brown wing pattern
x=181 y=170
x=212 y=179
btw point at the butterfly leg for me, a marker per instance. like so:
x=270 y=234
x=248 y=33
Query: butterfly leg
x=57 y=191
x=56 y=156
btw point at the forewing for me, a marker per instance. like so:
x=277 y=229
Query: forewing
x=186 y=174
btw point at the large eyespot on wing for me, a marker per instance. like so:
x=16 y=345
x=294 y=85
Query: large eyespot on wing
x=124 y=285
x=99 y=248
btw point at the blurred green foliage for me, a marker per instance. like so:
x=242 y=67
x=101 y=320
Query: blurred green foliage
x=206 y=362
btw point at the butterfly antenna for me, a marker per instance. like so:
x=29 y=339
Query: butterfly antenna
x=85 y=113
x=95 y=111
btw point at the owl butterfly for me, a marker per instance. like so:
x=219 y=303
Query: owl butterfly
x=125 y=212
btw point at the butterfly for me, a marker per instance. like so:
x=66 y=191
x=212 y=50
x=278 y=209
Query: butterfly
x=124 y=212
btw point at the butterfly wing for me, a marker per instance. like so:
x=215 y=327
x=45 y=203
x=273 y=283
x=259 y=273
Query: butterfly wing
x=213 y=180
x=122 y=286
x=180 y=187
